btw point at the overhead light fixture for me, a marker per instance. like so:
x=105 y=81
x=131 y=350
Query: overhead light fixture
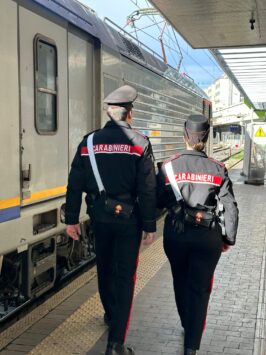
x=252 y=21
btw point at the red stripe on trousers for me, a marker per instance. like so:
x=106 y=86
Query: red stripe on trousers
x=134 y=281
x=205 y=321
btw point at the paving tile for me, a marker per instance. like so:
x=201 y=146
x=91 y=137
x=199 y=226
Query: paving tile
x=12 y=352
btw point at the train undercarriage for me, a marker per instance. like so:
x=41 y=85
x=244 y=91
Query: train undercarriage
x=27 y=275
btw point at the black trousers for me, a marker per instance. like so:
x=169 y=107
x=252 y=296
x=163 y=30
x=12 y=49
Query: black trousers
x=117 y=250
x=193 y=257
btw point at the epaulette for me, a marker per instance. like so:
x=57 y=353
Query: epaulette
x=86 y=135
x=216 y=161
x=173 y=157
x=141 y=134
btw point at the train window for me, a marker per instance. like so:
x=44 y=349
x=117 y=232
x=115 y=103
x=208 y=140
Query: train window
x=45 y=85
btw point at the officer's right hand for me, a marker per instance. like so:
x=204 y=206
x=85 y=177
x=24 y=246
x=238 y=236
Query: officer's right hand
x=74 y=231
x=148 y=238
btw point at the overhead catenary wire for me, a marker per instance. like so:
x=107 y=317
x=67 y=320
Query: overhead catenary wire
x=155 y=39
x=182 y=64
x=144 y=28
x=180 y=52
x=181 y=59
x=168 y=35
x=136 y=34
x=207 y=54
x=148 y=4
x=174 y=58
x=151 y=17
x=160 y=29
x=186 y=53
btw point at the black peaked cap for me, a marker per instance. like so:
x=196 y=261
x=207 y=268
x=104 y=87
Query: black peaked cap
x=197 y=124
x=122 y=96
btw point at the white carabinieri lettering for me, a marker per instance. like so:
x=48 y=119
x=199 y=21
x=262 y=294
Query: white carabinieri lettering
x=198 y=178
x=114 y=148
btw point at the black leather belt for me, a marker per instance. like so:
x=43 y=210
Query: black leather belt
x=122 y=197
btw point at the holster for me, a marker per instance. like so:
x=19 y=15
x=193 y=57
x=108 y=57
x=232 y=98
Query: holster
x=177 y=217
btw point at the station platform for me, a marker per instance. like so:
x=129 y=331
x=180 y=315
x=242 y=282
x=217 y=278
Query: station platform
x=71 y=321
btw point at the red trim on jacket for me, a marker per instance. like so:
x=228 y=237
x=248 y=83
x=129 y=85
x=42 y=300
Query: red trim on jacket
x=216 y=161
x=173 y=157
x=140 y=133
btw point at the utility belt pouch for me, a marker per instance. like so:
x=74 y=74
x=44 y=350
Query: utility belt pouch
x=118 y=208
x=199 y=217
x=111 y=206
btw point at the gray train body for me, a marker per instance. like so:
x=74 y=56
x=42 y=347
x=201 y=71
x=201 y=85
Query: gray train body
x=57 y=62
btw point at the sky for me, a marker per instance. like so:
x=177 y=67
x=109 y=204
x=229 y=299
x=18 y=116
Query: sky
x=196 y=63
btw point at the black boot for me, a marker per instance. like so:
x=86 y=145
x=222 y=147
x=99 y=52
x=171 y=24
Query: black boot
x=188 y=351
x=118 y=349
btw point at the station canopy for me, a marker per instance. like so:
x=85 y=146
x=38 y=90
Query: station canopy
x=234 y=31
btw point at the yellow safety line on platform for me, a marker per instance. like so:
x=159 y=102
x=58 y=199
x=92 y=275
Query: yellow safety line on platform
x=21 y=325
x=79 y=333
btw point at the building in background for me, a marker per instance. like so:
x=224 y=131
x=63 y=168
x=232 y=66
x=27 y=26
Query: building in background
x=223 y=93
x=228 y=104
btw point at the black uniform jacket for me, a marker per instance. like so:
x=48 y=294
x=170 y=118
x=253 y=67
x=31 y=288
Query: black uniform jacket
x=200 y=179
x=125 y=162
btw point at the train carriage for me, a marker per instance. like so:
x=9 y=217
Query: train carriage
x=58 y=60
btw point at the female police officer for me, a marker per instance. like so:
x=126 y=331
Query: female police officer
x=189 y=186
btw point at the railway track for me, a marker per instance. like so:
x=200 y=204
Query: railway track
x=224 y=154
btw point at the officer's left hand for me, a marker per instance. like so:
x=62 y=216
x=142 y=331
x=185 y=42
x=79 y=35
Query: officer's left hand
x=148 y=238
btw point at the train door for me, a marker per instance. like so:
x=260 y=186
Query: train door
x=44 y=107
x=81 y=89
x=9 y=117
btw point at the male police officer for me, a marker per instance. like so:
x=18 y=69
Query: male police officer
x=124 y=160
